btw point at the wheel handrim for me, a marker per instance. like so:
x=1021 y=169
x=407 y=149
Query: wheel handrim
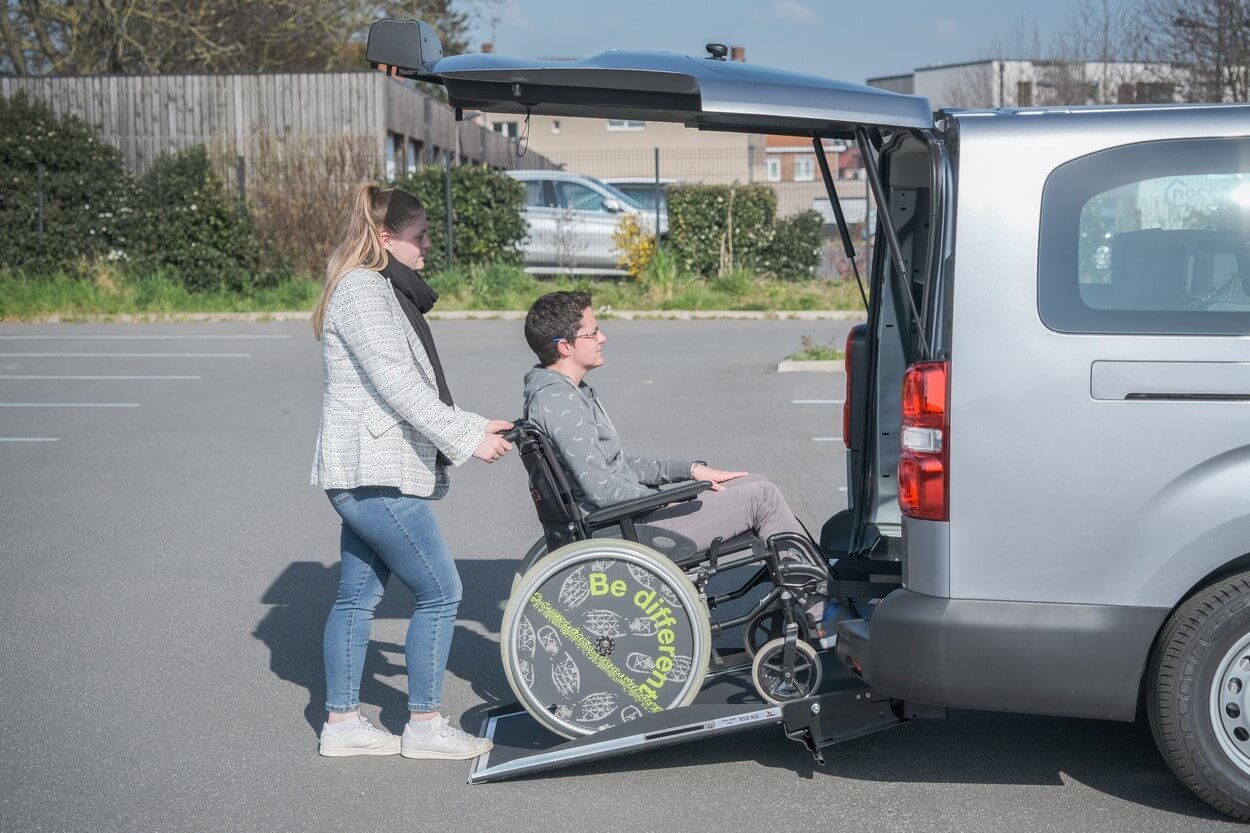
x=616 y=648
x=1230 y=704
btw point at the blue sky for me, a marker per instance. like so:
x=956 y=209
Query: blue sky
x=847 y=41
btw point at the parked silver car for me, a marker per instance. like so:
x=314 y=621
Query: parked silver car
x=1046 y=411
x=572 y=219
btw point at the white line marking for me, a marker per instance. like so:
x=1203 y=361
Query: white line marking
x=826 y=439
x=33 y=376
x=29 y=439
x=130 y=355
x=818 y=401
x=37 y=337
x=69 y=405
x=841 y=488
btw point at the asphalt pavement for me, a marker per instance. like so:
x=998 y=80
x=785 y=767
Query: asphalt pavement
x=166 y=570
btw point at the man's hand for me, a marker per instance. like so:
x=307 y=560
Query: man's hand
x=701 y=472
x=493 y=446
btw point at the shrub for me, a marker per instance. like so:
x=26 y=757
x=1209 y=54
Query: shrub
x=793 y=252
x=298 y=192
x=88 y=194
x=488 y=223
x=636 y=244
x=191 y=227
x=718 y=228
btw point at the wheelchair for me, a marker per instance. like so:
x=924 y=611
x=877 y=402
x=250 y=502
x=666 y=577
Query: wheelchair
x=609 y=617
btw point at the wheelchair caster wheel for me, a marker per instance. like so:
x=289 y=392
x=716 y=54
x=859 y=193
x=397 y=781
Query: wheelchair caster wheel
x=601 y=632
x=768 y=672
x=767 y=625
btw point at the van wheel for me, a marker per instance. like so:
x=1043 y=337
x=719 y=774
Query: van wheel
x=1199 y=697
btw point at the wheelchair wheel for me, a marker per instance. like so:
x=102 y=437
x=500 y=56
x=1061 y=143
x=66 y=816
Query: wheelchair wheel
x=768 y=672
x=601 y=632
x=766 y=626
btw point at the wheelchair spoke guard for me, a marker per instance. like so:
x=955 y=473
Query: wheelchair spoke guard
x=601 y=632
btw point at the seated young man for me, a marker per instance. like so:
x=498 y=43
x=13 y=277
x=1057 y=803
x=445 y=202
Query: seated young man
x=562 y=331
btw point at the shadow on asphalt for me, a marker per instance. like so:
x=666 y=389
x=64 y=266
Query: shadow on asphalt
x=1118 y=759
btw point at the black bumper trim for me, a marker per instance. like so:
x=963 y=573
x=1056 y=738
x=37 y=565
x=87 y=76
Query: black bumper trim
x=1071 y=660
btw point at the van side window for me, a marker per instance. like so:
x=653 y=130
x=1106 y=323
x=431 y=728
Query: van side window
x=1151 y=238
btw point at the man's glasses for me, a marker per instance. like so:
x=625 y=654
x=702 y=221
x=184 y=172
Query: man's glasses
x=592 y=334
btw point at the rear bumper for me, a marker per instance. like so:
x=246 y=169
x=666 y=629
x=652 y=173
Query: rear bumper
x=1028 y=657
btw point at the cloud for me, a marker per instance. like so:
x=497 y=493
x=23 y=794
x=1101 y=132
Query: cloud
x=795 y=12
x=947 y=28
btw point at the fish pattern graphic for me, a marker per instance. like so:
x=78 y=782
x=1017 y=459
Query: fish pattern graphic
x=642 y=576
x=575 y=590
x=630 y=713
x=643 y=626
x=566 y=676
x=527 y=674
x=526 y=643
x=597 y=706
x=549 y=639
x=680 y=671
x=602 y=622
x=639 y=663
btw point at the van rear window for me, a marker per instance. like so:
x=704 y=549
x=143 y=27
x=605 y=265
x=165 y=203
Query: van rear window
x=1148 y=238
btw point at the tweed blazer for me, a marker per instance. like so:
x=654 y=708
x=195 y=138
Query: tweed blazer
x=382 y=423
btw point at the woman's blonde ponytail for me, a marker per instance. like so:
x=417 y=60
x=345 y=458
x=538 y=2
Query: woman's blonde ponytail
x=359 y=247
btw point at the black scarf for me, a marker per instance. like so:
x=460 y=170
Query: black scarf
x=417 y=298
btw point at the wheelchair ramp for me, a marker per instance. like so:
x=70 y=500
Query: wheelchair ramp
x=727 y=703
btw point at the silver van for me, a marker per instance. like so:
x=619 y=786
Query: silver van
x=572 y=220
x=1047 y=416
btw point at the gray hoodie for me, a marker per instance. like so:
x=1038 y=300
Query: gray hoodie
x=599 y=470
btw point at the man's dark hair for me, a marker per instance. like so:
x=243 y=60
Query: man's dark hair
x=554 y=316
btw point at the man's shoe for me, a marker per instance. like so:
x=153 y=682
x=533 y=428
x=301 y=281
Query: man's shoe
x=439 y=739
x=361 y=739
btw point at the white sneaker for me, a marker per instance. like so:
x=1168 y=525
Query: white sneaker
x=361 y=739
x=442 y=740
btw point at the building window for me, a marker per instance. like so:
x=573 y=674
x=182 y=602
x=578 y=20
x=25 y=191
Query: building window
x=506 y=128
x=394 y=155
x=774 y=169
x=626 y=124
x=414 y=156
x=803 y=169
x=1024 y=94
x=555 y=126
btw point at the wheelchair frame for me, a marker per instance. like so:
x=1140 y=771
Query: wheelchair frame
x=845 y=708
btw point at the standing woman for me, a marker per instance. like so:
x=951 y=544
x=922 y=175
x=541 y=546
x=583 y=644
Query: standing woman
x=389 y=430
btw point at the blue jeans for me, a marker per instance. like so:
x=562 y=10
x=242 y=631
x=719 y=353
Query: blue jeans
x=386 y=532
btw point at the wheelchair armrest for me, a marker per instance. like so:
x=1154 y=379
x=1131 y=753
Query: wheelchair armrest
x=638 y=506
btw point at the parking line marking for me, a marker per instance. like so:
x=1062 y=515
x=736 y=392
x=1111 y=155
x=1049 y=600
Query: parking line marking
x=116 y=337
x=826 y=439
x=129 y=355
x=818 y=401
x=51 y=377
x=29 y=439
x=69 y=404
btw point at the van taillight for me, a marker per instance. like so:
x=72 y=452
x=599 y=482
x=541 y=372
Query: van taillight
x=924 y=460
x=846 y=403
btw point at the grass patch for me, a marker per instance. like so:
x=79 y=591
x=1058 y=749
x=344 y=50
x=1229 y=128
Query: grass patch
x=105 y=289
x=814 y=351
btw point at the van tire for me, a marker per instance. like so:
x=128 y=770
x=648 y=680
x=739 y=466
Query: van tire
x=1190 y=652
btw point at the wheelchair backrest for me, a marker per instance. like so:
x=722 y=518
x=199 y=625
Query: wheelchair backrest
x=549 y=488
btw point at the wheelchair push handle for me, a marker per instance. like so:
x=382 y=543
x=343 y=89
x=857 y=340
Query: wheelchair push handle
x=514 y=433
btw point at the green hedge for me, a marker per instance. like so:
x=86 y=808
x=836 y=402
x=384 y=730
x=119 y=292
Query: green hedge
x=177 y=218
x=700 y=220
x=717 y=229
x=488 y=222
x=88 y=194
x=191 y=226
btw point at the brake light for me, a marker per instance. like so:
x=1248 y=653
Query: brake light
x=924 y=460
x=846 y=402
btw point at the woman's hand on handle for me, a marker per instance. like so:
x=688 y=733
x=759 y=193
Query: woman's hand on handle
x=493 y=446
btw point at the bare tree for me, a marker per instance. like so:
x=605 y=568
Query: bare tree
x=162 y=36
x=1212 y=38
